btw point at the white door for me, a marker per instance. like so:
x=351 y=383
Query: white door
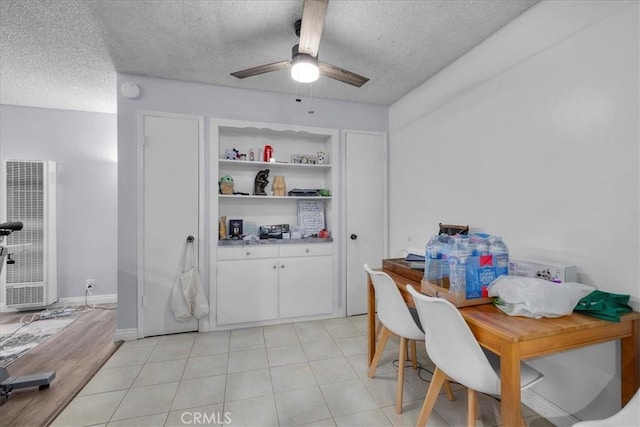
x=365 y=212
x=170 y=214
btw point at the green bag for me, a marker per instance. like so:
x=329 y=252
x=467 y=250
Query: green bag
x=604 y=305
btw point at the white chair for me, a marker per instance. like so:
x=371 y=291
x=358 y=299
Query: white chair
x=458 y=357
x=395 y=318
x=628 y=416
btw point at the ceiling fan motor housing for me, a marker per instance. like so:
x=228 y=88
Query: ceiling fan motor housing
x=297 y=56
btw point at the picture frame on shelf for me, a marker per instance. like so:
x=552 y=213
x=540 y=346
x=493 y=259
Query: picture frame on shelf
x=235 y=228
x=304 y=159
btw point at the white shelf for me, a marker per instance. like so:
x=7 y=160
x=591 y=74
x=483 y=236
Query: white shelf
x=249 y=164
x=239 y=196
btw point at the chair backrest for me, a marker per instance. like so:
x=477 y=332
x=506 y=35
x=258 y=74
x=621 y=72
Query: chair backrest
x=392 y=309
x=451 y=345
x=629 y=415
x=453 y=229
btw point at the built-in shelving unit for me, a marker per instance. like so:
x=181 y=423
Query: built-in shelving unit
x=287 y=142
x=241 y=276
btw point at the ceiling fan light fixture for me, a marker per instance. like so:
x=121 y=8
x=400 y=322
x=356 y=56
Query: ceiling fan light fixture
x=304 y=68
x=304 y=64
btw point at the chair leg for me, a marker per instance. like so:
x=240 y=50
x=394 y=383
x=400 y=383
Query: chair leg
x=386 y=333
x=522 y=420
x=447 y=389
x=437 y=381
x=414 y=355
x=472 y=407
x=401 y=359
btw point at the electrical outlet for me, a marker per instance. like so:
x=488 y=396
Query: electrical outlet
x=89 y=284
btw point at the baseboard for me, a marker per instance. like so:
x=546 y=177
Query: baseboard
x=126 y=334
x=547 y=409
x=72 y=301
x=91 y=300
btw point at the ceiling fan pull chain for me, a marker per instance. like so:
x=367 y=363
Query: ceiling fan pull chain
x=311 y=111
x=298 y=97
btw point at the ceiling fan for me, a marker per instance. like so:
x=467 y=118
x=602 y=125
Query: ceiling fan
x=304 y=63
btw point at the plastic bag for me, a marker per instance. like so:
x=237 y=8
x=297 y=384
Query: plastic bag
x=604 y=305
x=536 y=298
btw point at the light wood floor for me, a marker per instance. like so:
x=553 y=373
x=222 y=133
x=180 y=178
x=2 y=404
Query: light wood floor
x=75 y=353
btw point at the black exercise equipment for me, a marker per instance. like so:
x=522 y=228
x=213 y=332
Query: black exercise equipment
x=8 y=383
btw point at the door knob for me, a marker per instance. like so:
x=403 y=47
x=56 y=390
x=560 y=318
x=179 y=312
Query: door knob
x=354 y=236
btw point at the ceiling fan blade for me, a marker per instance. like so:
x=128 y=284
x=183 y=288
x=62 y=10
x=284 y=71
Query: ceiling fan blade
x=313 y=14
x=261 y=69
x=341 y=74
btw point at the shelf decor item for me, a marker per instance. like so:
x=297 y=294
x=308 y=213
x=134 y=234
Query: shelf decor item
x=279 y=187
x=311 y=216
x=255 y=154
x=231 y=154
x=226 y=185
x=261 y=182
x=235 y=228
x=222 y=228
x=268 y=153
x=304 y=159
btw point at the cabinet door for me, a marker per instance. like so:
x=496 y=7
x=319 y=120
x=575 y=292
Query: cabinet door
x=306 y=286
x=247 y=291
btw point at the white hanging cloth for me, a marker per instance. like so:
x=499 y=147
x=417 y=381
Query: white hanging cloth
x=187 y=296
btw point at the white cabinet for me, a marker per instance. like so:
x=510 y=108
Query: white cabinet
x=247 y=285
x=306 y=280
x=271 y=282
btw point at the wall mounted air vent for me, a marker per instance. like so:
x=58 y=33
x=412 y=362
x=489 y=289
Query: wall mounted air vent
x=29 y=196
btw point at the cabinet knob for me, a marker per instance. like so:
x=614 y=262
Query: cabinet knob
x=248 y=253
x=275 y=266
x=307 y=250
x=281 y=265
x=354 y=236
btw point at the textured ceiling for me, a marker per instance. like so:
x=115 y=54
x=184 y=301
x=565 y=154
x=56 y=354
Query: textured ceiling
x=65 y=54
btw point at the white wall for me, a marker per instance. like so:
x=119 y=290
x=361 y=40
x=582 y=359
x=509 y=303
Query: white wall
x=84 y=147
x=208 y=101
x=533 y=135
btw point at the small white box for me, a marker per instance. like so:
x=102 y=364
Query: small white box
x=558 y=273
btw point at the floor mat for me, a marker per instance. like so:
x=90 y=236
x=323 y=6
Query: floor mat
x=17 y=339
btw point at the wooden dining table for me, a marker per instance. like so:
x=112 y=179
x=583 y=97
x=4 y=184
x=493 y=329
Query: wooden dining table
x=516 y=339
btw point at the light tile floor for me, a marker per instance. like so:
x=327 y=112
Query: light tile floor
x=308 y=373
